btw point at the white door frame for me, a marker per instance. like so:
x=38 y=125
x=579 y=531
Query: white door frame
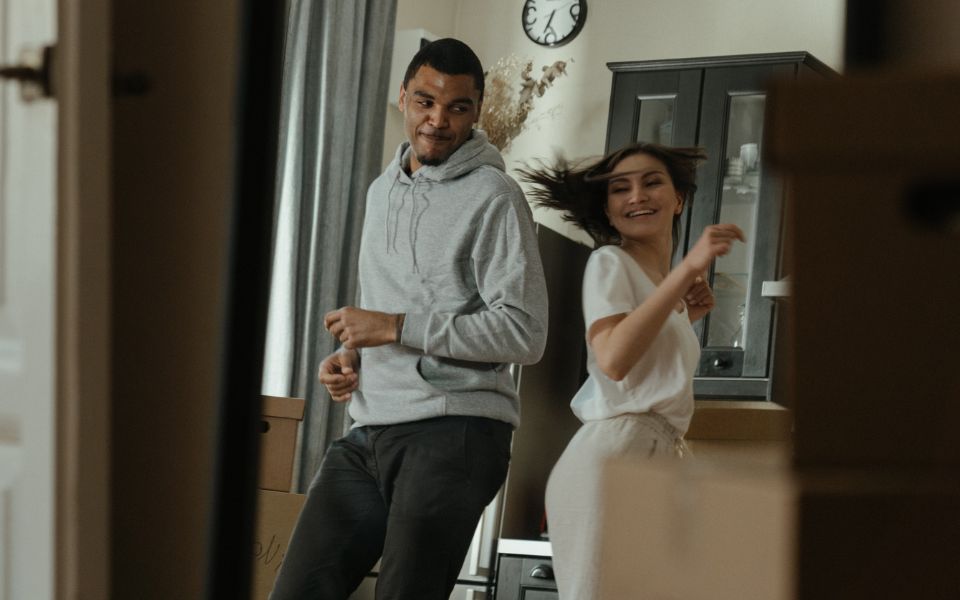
x=27 y=308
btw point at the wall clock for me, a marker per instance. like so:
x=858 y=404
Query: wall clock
x=553 y=22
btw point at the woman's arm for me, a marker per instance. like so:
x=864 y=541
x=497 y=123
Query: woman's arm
x=699 y=299
x=620 y=341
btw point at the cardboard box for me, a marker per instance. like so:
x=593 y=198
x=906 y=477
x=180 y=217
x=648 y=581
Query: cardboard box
x=878 y=534
x=694 y=531
x=278 y=441
x=740 y=421
x=741 y=432
x=277 y=513
x=872 y=249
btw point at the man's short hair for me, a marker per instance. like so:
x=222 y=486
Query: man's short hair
x=449 y=56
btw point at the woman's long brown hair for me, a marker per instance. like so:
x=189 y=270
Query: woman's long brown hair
x=579 y=190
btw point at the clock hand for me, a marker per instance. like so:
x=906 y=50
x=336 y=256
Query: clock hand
x=549 y=31
x=547 y=26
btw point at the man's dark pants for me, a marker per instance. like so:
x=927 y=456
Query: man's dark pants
x=411 y=493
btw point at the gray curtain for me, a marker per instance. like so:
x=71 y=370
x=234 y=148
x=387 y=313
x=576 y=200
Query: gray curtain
x=334 y=97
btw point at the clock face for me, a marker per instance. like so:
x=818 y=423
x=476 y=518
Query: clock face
x=553 y=22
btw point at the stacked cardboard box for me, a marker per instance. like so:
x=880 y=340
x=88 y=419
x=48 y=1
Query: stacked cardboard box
x=278 y=440
x=277 y=508
x=277 y=513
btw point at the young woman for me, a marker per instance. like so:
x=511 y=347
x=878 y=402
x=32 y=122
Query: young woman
x=641 y=349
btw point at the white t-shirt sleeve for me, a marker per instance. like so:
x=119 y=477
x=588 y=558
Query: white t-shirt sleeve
x=606 y=287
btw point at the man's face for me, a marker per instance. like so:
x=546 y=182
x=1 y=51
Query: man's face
x=439 y=111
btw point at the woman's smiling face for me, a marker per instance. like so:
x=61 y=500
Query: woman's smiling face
x=641 y=198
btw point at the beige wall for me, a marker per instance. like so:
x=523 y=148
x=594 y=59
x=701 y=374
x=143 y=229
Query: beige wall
x=438 y=17
x=617 y=30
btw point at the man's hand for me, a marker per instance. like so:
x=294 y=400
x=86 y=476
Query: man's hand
x=699 y=299
x=358 y=328
x=338 y=373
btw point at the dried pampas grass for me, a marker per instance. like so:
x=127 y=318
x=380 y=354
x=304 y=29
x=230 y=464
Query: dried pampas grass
x=509 y=95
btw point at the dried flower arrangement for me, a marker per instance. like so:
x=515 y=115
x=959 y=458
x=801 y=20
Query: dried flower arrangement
x=505 y=109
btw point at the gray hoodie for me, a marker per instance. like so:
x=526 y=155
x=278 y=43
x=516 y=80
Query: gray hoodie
x=454 y=248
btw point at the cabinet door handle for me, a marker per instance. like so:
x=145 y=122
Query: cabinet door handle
x=780 y=288
x=542 y=572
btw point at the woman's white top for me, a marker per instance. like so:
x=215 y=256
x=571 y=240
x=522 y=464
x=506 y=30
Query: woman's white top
x=662 y=380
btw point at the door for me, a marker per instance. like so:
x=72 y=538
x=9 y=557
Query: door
x=28 y=180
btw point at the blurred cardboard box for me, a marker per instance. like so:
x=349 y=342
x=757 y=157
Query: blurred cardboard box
x=277 y=513
x=873 y=245
x=711 y=532
x=689 y=531
x=278 y=441
x=878 y=534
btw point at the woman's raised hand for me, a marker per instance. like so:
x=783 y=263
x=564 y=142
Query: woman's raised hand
x=715 y=241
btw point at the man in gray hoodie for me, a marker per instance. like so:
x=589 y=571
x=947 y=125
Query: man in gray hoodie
x=452 y=293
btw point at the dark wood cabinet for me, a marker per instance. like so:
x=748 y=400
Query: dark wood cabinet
x=719 y=103
x=525 y=578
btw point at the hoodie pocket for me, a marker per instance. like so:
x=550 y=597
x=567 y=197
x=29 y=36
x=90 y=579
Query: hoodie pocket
x=451 y=375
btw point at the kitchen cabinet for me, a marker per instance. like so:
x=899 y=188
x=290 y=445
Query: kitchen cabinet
x=719 y=104
x=524 y=571
x=546 y=388
x=525 y=578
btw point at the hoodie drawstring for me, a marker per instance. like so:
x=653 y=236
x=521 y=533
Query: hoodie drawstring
x=416 y=213
x=415 y=217
x=392 y=240
x=475 y=152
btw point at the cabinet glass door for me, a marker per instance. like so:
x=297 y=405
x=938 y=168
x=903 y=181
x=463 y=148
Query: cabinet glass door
x=727 y=326
x=655 y=121
x=664 y=112
x=735 y=188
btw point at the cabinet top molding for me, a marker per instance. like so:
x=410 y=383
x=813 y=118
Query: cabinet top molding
x=724 y=61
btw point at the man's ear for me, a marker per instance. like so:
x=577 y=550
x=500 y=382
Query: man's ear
x=402 y=101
